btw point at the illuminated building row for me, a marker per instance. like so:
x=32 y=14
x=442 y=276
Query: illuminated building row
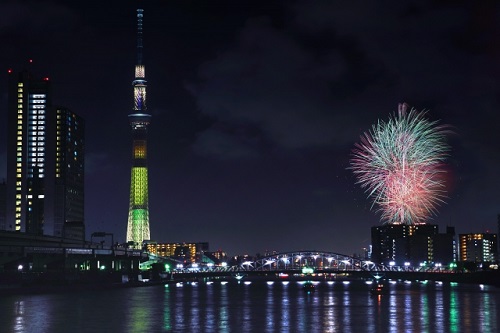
x=186 y=252
x=413 y=244
x=480 y=247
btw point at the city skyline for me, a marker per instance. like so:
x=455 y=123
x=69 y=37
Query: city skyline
x=257 y=107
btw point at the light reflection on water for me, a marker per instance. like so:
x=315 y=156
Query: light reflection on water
x=258 y=307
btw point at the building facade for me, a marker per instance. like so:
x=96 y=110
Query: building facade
x=480 y=247
x=401 y=244
x=69 y=170
x=138 y=215
x=40 y=155
x=185 y=252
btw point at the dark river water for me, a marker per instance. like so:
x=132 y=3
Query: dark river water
x=258 y=307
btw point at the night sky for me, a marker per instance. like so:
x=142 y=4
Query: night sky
x=257 y=105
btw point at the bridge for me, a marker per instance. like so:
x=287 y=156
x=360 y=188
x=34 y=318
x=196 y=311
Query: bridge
x=319 y=265
x=294 y=260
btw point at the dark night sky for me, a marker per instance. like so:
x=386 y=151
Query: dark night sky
x=257 y=105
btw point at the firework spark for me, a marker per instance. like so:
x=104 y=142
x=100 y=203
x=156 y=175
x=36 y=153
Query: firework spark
x=399 y=164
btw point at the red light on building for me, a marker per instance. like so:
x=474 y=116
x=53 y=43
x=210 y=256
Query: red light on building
x=9 y=71
x=45 y=78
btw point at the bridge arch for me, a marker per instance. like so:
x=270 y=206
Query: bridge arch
x=296 y=260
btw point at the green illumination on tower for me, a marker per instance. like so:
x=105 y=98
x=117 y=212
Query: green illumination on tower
x=138 y=214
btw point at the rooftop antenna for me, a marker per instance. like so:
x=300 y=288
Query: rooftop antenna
x=139 y=35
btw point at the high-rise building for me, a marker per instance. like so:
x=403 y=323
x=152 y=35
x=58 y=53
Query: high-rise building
x=69 y=170
x=44 y=152
x=414 y=244
x=480 y=247
x=138 y=214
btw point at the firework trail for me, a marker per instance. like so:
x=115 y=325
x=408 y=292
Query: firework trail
x=399 y=164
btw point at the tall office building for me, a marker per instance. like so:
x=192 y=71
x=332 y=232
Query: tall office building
x=138 y=215
x=69 y=170
x=39 y=143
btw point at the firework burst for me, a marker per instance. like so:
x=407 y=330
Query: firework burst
x=399 y=164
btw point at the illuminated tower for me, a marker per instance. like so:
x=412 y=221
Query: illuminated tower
x=138 y=214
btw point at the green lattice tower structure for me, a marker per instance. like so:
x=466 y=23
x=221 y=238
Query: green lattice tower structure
x=138 y=214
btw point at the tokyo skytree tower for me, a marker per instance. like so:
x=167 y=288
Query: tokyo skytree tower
x=138 y=214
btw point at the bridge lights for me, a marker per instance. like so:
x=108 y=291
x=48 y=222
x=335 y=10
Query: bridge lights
x=285 y=260
x=269 y=262
x=248 y=264
x=300 y=260
x=345 y=262
x=329 y=261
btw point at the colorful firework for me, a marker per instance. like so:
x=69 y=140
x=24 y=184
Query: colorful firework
x=399 y=164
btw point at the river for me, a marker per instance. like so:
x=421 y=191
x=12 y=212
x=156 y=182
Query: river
x=258 y=307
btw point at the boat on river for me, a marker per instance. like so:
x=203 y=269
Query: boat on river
x=309 y=287
x=378 y=288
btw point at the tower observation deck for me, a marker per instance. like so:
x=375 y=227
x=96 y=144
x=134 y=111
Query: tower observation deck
x=138 y=214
